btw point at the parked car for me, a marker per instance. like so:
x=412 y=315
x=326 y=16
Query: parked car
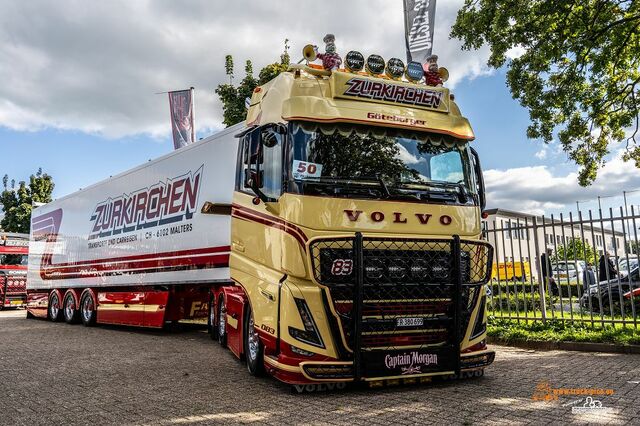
x=635 y=294
x=569 y=270
x=611 y=292
x=626 y=264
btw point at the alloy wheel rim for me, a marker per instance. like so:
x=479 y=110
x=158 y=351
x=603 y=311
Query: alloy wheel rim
x=87 y=308
x=54 y=306
x=68 y=307
x=222 y=319
x=252 y=339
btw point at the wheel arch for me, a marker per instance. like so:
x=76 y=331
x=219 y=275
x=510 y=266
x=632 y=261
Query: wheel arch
x=92 y=293
x=57 y=292
x=236 y=301
x=75 y=293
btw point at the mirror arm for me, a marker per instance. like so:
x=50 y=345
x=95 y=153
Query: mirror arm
x=261 y=195
x=478 y=170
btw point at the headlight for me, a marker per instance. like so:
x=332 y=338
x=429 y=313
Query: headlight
x=310 y=335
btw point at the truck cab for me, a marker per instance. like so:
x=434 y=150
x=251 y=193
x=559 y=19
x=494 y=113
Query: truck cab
x=355 y=231
x=14 y=255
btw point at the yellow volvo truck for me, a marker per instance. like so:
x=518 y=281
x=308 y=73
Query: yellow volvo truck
x=355 y=237
x=332 y=237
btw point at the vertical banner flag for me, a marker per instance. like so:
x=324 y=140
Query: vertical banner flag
x=181 y=106
x=419 y=18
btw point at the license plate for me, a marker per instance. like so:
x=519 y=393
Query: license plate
x=409 y=322
x=16 y=302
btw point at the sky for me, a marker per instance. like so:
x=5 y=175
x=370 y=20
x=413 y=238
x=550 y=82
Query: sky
x=80 y=80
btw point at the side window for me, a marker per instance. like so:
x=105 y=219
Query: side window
x=243 y=162
x=266 y=161
x=272 y=168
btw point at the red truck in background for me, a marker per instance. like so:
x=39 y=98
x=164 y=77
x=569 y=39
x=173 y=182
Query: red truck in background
x=14 y=253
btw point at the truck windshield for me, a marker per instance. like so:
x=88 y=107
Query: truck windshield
x=14 y=259
x=357 y=161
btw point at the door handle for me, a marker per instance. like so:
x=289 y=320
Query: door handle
x=238 y=246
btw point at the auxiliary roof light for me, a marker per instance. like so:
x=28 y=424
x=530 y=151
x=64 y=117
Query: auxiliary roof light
x=375 y=65
x=395 y=68
x=354 y=61
x=414 y=72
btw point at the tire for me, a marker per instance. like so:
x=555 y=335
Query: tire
x=221 y=323
x=53 y=310
x=211 y=320
x=88 y=314
x=30 y=315
x=70 y=310
x=254 y=349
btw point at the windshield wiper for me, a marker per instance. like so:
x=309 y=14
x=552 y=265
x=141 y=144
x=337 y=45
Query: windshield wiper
x=383 y=185
x=340 y=184
x=461 y=190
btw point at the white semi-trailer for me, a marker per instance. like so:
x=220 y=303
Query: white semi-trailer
x=139 y=228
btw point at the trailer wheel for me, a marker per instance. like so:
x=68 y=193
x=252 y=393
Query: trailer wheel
x=54 y=311
x=254 y=349
x=87 y=309
x=221 y=324
x=70 y=309
x=211 y=320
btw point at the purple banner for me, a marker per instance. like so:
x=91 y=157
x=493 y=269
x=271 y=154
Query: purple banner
x=181 y=108
x=419 y=18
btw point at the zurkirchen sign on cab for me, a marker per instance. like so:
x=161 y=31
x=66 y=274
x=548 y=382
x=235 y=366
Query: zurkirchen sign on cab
x=350 y=86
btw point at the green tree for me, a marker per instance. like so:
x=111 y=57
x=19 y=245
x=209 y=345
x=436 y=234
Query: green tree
x=576 y=249
x=579 y=72
x=233 y=97
x=358 y=156
x=17 y=202
x=633 y=247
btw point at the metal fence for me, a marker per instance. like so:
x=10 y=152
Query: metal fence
x=567 y=267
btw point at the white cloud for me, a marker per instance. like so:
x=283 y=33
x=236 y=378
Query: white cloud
x=542 y=154
x=536 y=189
x=515 y=52
x=407 y=157
x=96 y=66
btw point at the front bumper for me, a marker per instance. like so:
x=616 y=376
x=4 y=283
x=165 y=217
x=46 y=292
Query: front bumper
x=14 y=301
x=310 y=372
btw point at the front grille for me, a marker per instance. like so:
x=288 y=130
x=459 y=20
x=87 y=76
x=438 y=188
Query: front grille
x=328 y=371
x=12 y=285
x=409 y=293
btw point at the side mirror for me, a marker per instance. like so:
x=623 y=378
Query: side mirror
x=479 y=178
x=270 y=135
x=253 y=178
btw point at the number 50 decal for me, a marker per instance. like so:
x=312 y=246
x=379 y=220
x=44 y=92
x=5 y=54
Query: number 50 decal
x=342 y=267
x=303 y=170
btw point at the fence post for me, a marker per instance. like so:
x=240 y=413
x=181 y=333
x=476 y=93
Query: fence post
x=541 y=283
